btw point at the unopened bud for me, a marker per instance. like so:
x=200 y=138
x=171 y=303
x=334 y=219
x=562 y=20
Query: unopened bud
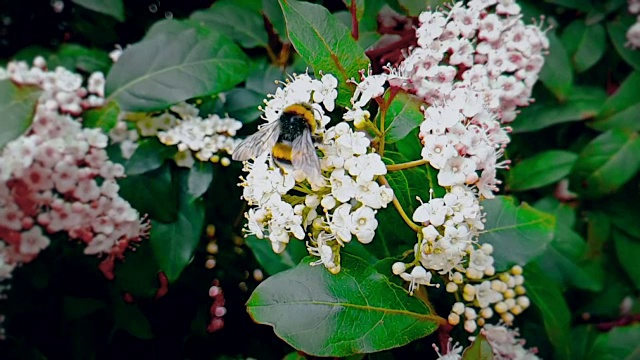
x=398 y=268
x=454 y=319
x=452 y=287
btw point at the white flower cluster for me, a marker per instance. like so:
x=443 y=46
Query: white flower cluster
x=57 y=177
x=461 y=138
x=483 y=46
x=204 y=139
x=633 y=34
x=341 y=208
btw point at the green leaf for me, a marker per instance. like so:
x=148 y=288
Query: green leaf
x=113 y=8
x=78 y=307
x=325 y=43
x=480 y=349
x=606 y=163
x=242 y=104
x=542 y=169
x=174 y=244
x=128 y=317
x=240 y=20
x=274 y=263
x=105 y=117
x=557 y=73
x=174 y=66
x=17 y=106
x=584 y=43
x=581 y=104
x=619 y=343
x=74 y=56
x=566 y=261
x=618 y=33
x=517 y=233
x=408 y=183
x=199 y=178
x=138 y=274
x=263 y=79
x=601 y=9
x=149 y=155
x=547 y=297
x=403 y=115
x=628 y=251
x=620 y=107
x=356 y=311
x=143 y=192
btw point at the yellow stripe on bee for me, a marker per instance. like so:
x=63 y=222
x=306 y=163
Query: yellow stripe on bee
x=282 y=151
x=305 y=111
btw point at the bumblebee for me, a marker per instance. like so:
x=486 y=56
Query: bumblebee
x=290 y=140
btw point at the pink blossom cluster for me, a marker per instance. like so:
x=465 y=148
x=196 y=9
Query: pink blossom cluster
x=57 y=177
x=633 y=34
x=483 y=46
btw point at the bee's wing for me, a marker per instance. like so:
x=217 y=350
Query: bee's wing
x=304 y=157
x=259 y=143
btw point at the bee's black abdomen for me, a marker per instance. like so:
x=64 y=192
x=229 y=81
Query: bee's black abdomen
x=291 y=126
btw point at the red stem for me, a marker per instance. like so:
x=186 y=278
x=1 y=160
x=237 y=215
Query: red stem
x=355 y=33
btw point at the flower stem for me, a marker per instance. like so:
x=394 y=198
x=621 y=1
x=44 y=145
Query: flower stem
x=407 y=165
x=415 y=227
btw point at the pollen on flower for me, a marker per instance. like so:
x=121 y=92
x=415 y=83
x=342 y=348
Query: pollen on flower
x=57 y=177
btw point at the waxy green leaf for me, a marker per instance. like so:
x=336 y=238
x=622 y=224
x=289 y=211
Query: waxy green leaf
x=241 y=20
x=517 y=233
x=144 y=190
x=325 y=44
x=149 y=155
x=174 y=244
x=581 y=104
x=174 y=66
x=606 y=163
x=274 y=263
x=547 y=297
x=402 y=116
x=628 y=251
x=17 y=106
x=557 y=73
x=620 y=109
x=543 y=169
x=619 y=343
x=114 y=8
x=355 y=311
x=480 y=349
x=199 y=178
x=584 y=43
x=105 y=117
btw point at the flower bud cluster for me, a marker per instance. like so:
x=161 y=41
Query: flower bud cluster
x=483 y=46
x=342 y=206
x=57 y=177
x=633 y=34
x=196 y=138
x=217 y=309
x=63 y=90
x=503 y=296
